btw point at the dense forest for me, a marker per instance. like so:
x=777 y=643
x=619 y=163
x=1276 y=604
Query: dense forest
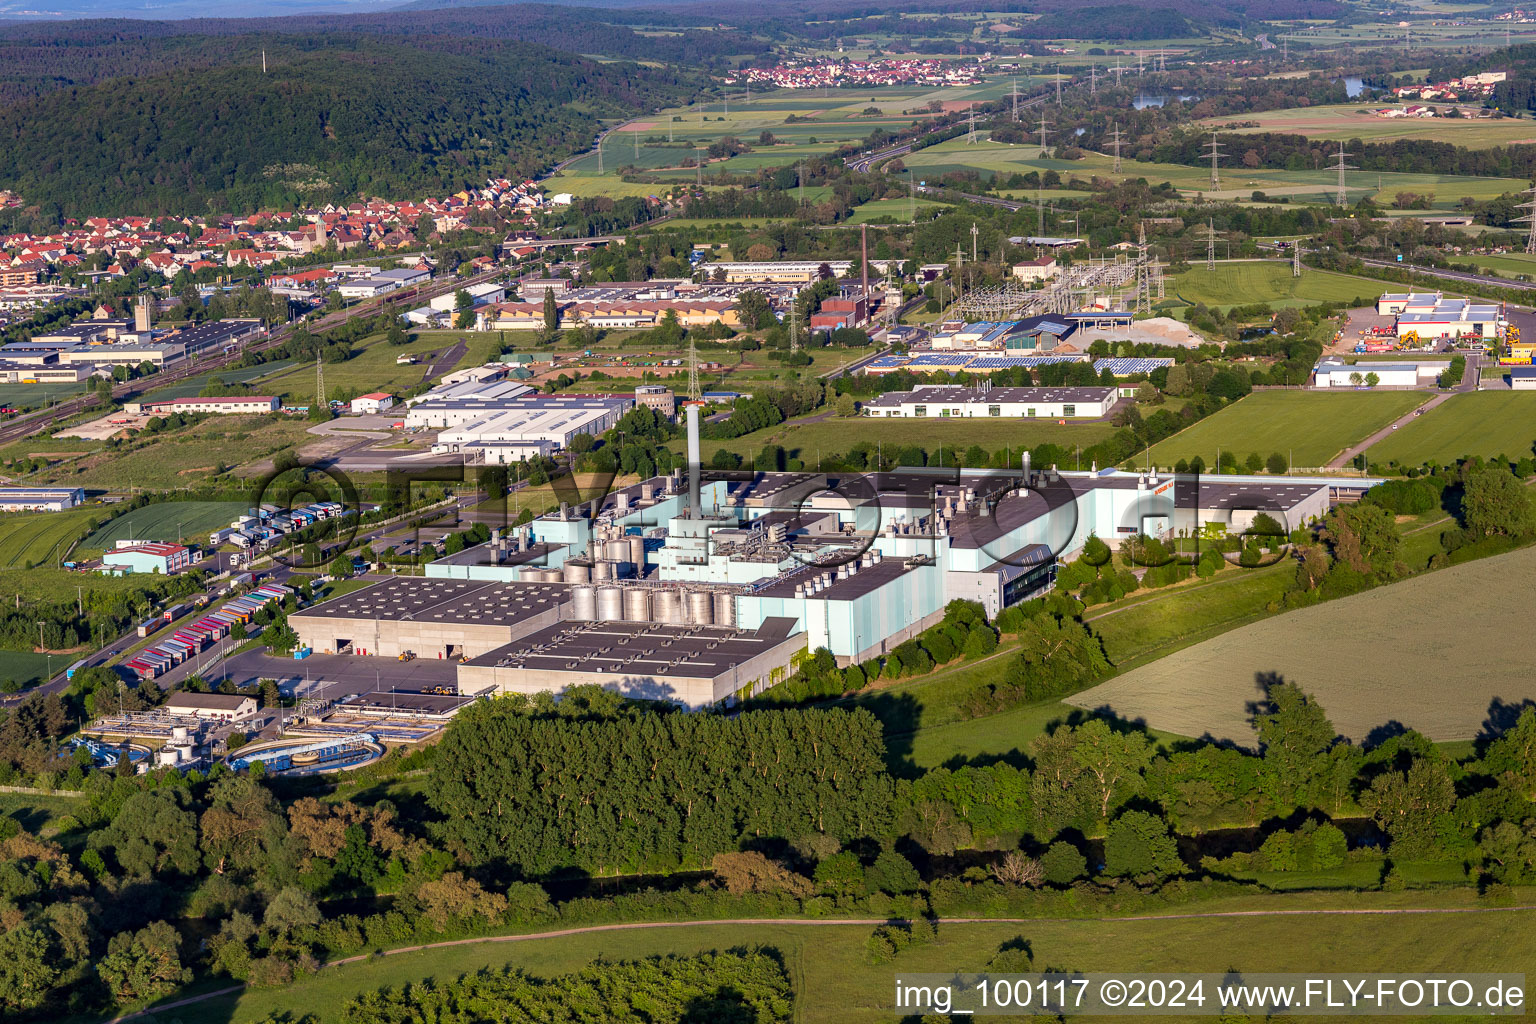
x=353 y=118
x=39 y=58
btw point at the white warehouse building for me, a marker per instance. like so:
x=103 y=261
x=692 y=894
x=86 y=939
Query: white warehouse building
x=958 y=400
x=1336 y=373
x=552 y=421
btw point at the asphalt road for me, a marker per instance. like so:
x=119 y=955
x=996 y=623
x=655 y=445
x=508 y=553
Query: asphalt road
x=864 y=163
x=1453 y=275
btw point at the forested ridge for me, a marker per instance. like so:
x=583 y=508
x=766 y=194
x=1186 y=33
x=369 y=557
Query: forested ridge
x=38 y=58
x=340 y=117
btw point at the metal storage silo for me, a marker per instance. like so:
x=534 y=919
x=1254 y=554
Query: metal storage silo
x=725 y=609
x=610 y=604
x=618 y=550
x=636 y=552
x=637 y=604
x=577 y=572
x=701 y=608
x=667 y=606
x=602 y=570
x=583 y=602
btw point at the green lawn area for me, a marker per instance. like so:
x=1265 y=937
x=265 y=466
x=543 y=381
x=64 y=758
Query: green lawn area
x=835 y=983
x=1308 y=427
x=1512 y=264
x=804 y=439
x=1348 y=121
x=898 y=210
x=44 y=584
x=987 y=737
x=1150 y=624
x=1476 y=423
x=194 y=385
x=1242 y=284
x=24 y=668
x=166 y=521
x=371 y=368
x=28 y=537
x=182 y=457
x=35 y=396
x=1236 y=182
x=35 y=811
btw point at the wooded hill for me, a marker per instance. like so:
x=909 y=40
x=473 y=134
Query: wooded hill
x=333 y=118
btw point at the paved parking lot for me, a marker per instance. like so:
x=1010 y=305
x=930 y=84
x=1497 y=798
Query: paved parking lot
x=340 y=673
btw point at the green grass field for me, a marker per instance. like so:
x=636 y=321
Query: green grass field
x=1477 y=423
x=1308 y=427
x=35 y=396
x=1242 y=284
x=1348 y=121
x=897 y=210
x=35 y=812
x=371 y=368
x=834 y=980
x=1151 y=624
x=1236 y=182
x=1429 y=653
x=165 y=522
x=23 y=668
x=1512 y=264
x=29 y=537
x=194 y=385
x=180 y=458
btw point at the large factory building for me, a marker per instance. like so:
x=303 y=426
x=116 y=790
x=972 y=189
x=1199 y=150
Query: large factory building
x=705 y=592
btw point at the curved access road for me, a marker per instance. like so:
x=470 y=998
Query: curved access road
x=867 y=922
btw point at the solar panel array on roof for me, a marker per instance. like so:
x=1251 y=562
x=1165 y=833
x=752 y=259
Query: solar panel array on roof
x=1127 y=366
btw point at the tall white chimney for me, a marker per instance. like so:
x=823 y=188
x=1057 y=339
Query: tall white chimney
x=695 y=462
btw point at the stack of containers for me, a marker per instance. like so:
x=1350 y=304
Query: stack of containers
x=198 y=634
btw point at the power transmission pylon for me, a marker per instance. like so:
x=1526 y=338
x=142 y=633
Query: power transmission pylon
x=1296 y=260
x=1162 y=63
x=1114 y=142
x=699 y=163
x=1341 y=167
x=970 y=135
x=1044 y=152
x=974 y=232
x=1015 y=99
x=1214 y=153
x=1093 y=79
x=1058 y=85
x=1530 y=218
x=1143 y=298
x=319 y=382
x=1210 y=245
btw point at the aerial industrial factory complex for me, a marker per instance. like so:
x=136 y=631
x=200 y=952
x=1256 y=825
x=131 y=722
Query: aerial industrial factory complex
x=702 y=592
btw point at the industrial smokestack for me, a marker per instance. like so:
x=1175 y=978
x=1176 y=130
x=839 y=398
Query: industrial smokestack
x=141 y=315
x=864 y=261
x=695 y=461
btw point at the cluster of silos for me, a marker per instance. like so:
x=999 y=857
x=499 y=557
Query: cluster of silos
x=530 y=574
x=180 y=749
x=678 y=607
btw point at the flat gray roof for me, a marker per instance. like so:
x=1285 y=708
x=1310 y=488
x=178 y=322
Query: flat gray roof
x=422 y=599
x=617 y=649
